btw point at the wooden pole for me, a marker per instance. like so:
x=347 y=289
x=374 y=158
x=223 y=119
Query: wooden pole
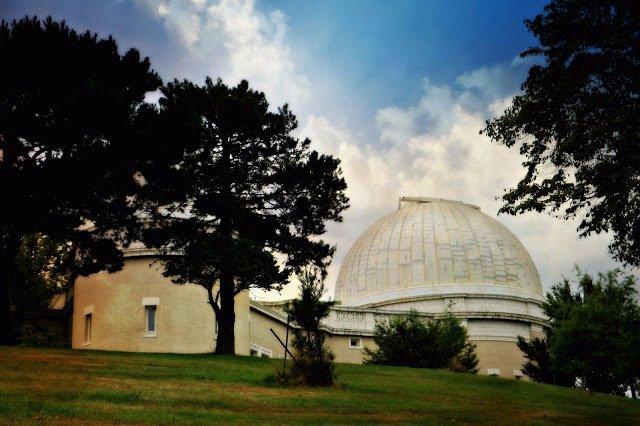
x=283 y=345
x=286 y=345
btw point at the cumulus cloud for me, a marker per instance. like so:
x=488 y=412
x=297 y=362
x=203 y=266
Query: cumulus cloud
x=234 y=40
x=432 y=148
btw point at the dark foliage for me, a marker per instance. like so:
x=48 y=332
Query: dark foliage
x=70 y=112
x=242 y=192
x=46 y=268
x=413 y=341
x=594 y=335
x=577 y=123
x=540 y=366
x=313 y=364
x=466 y=361
x=33 y=335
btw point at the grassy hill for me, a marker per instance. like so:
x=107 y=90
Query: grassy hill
x=64 y=386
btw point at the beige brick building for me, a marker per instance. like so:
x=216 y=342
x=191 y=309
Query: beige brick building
x=429 y=255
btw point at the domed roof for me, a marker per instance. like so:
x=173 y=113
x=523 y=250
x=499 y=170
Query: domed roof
x=433 y=248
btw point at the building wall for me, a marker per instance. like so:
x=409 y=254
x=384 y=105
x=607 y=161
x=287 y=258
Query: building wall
x=496 y=348
x=261 y=336
x=339 y=345
x=184 y=320
x=504 y=356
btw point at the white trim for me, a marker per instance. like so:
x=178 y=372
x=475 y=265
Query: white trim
x=493 y=371
x=260 y=351
x=88 y=309
x=150 y=301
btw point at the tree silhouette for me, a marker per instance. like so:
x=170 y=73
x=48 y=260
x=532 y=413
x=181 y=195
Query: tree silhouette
x=577 y=121
x=245 y=203
x=70 y=110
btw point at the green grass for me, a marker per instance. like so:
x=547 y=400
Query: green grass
x=65 y=387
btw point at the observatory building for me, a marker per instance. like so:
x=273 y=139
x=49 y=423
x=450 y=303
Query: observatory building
x=429 y=255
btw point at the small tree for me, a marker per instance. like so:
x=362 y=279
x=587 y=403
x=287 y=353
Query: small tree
x=412 y=341
x=243 y=193
x=313 y=364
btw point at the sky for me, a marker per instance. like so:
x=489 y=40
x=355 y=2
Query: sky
x=397 y=90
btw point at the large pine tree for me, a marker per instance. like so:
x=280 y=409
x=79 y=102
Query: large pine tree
x=70 y=109
x=244 y=205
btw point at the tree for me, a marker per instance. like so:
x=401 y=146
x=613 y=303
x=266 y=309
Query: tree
x=71 y=109
x=594 y=335
x=576 y=122
x=412 y=341
x=245 y=202
x=313 y=364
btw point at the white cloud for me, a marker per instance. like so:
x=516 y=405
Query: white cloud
x=234 y=40
x=432 y=148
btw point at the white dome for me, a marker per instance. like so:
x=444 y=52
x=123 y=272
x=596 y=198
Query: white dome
x=436 y=248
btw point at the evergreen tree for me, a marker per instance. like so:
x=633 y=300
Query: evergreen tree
x=576 y=122
x=246 y=201
x=70 y=142
x=313 y=364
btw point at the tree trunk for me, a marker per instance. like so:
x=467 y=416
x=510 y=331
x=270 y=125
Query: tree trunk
x=11 y=292
x=225 y=343
x=6 y=326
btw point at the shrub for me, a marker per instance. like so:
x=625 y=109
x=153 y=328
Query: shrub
x=32 y=335
x=413 y=341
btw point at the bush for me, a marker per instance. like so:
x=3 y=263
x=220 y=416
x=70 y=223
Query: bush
x=32 y=335
x=412 y=341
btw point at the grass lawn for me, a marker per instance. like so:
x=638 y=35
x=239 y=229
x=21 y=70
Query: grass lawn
x=65 y=386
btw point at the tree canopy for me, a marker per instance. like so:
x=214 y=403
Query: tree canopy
x=577 y=123
x=71 y=109
x=245 y=203
x=594 y=335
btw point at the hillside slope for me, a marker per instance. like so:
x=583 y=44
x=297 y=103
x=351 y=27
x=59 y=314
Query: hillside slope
x=64 y=386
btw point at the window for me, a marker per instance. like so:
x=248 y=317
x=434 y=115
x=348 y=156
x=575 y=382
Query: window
x=150 y=319
x=87 y=328
x=355 y=343
x=150 y=316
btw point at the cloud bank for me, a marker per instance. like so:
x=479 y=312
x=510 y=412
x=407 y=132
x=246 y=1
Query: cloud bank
x=432 y=148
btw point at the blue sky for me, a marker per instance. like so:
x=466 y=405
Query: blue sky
x=397 y=89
